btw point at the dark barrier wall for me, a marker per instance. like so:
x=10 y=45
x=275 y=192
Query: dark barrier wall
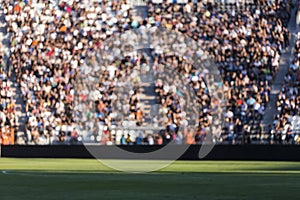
x=219 y=152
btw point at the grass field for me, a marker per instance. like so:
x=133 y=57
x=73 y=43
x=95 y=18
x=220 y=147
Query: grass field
x=88 y=179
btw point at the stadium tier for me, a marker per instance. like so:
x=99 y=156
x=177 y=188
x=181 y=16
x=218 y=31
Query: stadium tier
x=51 y=43
x=285 y=127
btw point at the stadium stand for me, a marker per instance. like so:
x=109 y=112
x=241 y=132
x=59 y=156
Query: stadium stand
x=8 y=118
x=286 y=124
x=246 y=45
x=50 y=41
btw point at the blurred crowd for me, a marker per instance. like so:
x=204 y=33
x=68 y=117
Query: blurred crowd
x=285 y=128
x=246 y=46
x=178 y=95
x=8 y=115
x=51 y=41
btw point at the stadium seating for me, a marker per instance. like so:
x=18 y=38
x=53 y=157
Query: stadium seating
x=50 y=42
x=248 y=60
x=286 y=124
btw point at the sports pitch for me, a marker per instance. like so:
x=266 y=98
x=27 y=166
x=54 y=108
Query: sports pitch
x=88 y=179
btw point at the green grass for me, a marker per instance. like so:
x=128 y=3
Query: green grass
x=88 y=179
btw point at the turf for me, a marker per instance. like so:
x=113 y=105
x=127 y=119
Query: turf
x=88 y=179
